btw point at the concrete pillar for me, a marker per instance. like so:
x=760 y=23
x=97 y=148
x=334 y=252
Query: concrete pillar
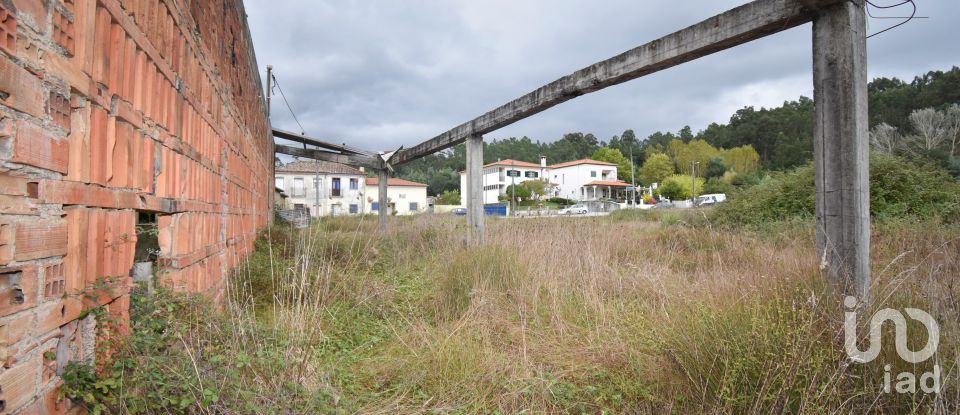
x=474 y=194
x=382 y=178
x=841 y=147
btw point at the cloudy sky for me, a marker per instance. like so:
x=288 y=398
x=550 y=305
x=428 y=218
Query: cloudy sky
x=378 y=74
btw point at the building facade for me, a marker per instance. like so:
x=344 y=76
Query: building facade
x=580 y=180
x=404 y=197
x=324 y=188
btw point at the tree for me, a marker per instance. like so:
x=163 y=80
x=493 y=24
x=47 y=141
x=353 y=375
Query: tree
x=612 y=155
x=931 y=127
x=537 y=187
x=684 y=183
x=743 y=159
x=885 y=138
x=517 y=190
x=716 y=167
x=696 y=151
x=657 y=167
x=671 y=190
x=449 y=197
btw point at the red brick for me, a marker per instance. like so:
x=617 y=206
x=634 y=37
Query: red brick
x=17 y=205
x=19 y=281
x=36 y=9
x=79 y=164
x=7 y=237
x=63 y=31
x=22 y=89
x=34 y=146
x=8 y=31
x=58 y=107
x=17 y=186
x=54 y=284
x=40 y=239
x=19 y=383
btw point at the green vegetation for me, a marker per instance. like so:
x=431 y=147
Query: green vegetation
x=899 y=190
x=648 y=311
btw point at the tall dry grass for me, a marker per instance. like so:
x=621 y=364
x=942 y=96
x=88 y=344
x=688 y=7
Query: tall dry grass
x=591 y=315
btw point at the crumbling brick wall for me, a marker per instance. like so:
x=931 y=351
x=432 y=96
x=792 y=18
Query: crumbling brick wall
x=110 y=109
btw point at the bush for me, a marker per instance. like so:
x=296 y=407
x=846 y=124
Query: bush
x=717 y=185
x=561 y=201
x=898 y=189
x=678 y=187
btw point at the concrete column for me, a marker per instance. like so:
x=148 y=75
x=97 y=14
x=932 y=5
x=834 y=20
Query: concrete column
x=841 y=147
x=474 y=194
x=382 y=178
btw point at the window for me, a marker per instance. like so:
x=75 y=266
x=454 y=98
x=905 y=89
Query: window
x=403 y=196
x=593 y=173
x=353 y=206
x=413 y=206
x=335 y=187
x=298 y=206
x=375 y=206
x=353 y=184
x=298 y=187
x=278 y=183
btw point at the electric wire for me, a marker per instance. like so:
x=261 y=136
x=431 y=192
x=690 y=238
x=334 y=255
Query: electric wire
x=913 y=14
x=290 y=108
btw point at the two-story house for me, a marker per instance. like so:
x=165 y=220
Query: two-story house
x=324 y=188
x=404 y=197
x=583 y=179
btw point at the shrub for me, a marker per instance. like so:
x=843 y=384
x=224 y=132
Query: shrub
x=678 y=187
x=899 y=189
x=562 y=201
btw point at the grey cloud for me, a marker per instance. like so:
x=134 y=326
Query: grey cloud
x=378 y=74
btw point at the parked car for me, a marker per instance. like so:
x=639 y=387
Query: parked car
x=711 y=199
x=459 y=211
x=664 y=204
x=577 y=209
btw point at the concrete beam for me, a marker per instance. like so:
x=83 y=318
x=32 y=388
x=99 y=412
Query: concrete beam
x=740 y=25
x=371 y=162
x=382 y=188
x=841 y=147
x=303 y=139
x=474 y=196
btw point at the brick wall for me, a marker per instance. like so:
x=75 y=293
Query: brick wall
x=111 y=108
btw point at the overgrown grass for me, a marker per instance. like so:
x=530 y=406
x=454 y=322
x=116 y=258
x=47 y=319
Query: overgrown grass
x=646 y=312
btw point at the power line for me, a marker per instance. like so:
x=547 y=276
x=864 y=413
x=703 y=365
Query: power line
x=284 y=96
x=908 y=19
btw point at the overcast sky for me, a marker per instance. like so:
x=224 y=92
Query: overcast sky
x=380 y=74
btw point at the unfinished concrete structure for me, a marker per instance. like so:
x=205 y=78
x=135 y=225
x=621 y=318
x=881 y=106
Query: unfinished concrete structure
x=114 y=112
x=840 y=137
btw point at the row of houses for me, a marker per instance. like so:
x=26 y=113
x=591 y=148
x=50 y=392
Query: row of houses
x=581 y=180
x=333 y=189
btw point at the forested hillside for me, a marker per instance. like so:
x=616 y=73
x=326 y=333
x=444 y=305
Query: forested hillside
x=781 y=136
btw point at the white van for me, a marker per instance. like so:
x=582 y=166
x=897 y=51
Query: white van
x=711 y=199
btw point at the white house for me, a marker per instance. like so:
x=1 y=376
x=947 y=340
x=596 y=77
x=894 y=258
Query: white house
x=323 y=187
x=582 y=180
x=497 y=176
x=403 y=196
x=587 y=179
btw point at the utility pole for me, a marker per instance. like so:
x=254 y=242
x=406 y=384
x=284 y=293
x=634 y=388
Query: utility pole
x=693 y=182
x=269 y=87
x=513 y=195
x=633 y=181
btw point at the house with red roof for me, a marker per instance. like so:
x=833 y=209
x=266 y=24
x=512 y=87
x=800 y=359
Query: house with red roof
x=582 y=180
x=404 y=197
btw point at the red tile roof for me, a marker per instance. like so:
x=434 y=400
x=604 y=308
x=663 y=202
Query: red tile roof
x=315 y=166
x=581 y=161
x=615 y=183
x=394 y=181
x=513 y=163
